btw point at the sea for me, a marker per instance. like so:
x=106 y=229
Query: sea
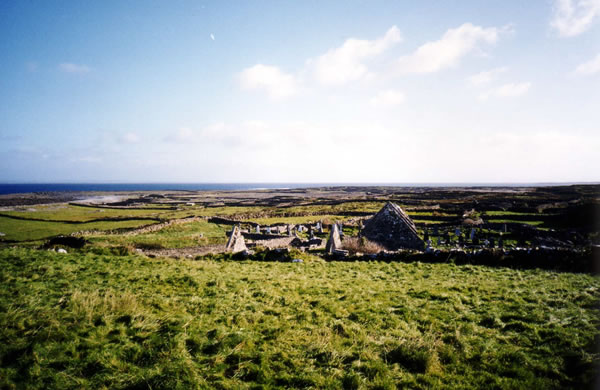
x=21 y=188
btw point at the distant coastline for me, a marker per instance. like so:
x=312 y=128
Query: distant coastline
x=23 y=188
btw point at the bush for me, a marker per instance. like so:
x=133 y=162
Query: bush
x=361 y=245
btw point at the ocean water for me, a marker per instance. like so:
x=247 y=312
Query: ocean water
x=20 y=188
x=23 y=188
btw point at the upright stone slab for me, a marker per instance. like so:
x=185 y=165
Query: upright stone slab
x=334 y=242
x=236 y=241
x=258 y=229
x=393 y=229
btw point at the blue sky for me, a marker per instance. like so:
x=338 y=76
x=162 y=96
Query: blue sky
x=352 y=91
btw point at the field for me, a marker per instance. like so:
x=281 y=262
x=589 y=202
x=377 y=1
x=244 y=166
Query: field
x=97 y=320
x=146 y=303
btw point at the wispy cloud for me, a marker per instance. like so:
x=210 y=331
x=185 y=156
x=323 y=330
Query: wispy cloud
x=449 y=49
x=69 y=67
x=589 y=68
x=389 y=98
x=337 y=66
x=573 y=17
x=182 y=135
x=486 y=77
x=212 y=36
x=271 y=79
x=507 y=90
x=346 y=63
x=130 y=138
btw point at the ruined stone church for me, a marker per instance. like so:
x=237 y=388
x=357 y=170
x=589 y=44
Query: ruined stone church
x=393 y=229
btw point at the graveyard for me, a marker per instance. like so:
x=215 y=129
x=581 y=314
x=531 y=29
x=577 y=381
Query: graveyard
x=387 y=221
x=333 y=287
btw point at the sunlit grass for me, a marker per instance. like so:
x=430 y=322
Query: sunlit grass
x=187 y=234
x=20 y=230
x=89 y=321
x=80 y=213
x=533 y=223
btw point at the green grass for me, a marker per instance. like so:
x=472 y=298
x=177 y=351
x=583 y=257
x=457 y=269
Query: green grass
x=299 y=220
x=503 y=213
x=19 y=230
x=81 y=214
x=533 y=223
x=196 y=233
x=426 y=221
x=96 y=321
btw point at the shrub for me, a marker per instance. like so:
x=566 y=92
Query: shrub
x=361 y=245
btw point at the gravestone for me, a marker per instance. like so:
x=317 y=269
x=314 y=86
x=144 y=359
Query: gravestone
x=334 y=242
x=236 y=241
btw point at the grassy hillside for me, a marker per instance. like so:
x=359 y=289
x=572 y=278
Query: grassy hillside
x=86 y=320
x=25 y=230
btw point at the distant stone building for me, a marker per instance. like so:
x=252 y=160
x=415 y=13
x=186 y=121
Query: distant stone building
x=236 y=241
x=393 y=229
x=334 y=242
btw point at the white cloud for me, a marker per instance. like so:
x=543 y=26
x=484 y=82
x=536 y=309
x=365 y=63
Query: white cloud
x=87 y=159
x=212 y=36
x=387 y=98
x=573 y=17
x=275 y=82
x=448 y=51
x=590 y=67
x=183 y=135
x=486 y=77
x=345 y=63
x=130 y=138
x=68 y=67
x=507 y=90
